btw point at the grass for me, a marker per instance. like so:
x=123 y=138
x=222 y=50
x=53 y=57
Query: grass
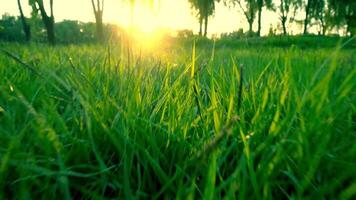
x=184 y=125
x=314 y=42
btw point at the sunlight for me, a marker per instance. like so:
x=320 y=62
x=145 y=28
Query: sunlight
x=145 y=30
x=147 y=39
x=145 y=18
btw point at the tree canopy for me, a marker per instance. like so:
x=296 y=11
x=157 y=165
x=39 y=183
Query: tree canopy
x=204 y=9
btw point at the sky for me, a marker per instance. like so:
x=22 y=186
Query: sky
x=166 y=14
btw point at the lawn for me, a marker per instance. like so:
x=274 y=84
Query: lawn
x=185 y=122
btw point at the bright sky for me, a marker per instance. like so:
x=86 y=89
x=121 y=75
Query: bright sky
x=171 y=14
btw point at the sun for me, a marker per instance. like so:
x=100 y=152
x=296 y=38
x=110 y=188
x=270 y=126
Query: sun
x=144 y=28
x=145 y=18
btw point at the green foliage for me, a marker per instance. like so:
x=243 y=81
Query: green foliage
x=343 y=12
x=204 y=9
x=285 y=7
x=67 y=31
x=185 y=33
x=11 y=29
x=237 y=35
x=94 y=126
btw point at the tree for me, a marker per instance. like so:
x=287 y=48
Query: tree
x=311 y=8
x=48 y=20
x=315 y=13
x=204 y=8
x=319 y=13
x=98 y=9
x=209 y=9
x=196 y=5
x=314 y=9
x=306 y=18
x=260 y=5
x=343 y=13
x=285 y=6
x=25 y=25
x=249 y=9
x=10 y=29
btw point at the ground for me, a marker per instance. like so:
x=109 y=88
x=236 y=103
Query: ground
x=188 y=122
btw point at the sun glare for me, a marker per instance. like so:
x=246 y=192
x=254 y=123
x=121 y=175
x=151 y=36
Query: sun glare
x=145 y=28
x=145 y=18
x=145 y=39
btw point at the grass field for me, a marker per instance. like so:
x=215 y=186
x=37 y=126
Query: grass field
x=87 y=122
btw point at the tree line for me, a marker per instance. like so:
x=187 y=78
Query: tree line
x=66 y=32
x=327 y=14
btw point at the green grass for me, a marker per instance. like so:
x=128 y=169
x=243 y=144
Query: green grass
x=94 y=125
x=314 y=42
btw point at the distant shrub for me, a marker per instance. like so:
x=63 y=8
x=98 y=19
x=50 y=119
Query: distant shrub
x=185 y=33
x=238 y=34
x=233 y=35
x=67 y=31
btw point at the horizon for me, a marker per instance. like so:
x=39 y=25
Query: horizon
x=158 y=16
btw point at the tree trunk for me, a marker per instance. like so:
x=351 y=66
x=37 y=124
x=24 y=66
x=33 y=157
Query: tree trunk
x=351 y=24
x=306 y=19
x=49 y=25
x=26 y=27
x=284 y=16
x=284 y=20
x=48 y=22
x=206 y=26
x=200 y=26
x=98 y=12
x=250 y=24
x=99 y=26
x=323 y=26
x=259 y=20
